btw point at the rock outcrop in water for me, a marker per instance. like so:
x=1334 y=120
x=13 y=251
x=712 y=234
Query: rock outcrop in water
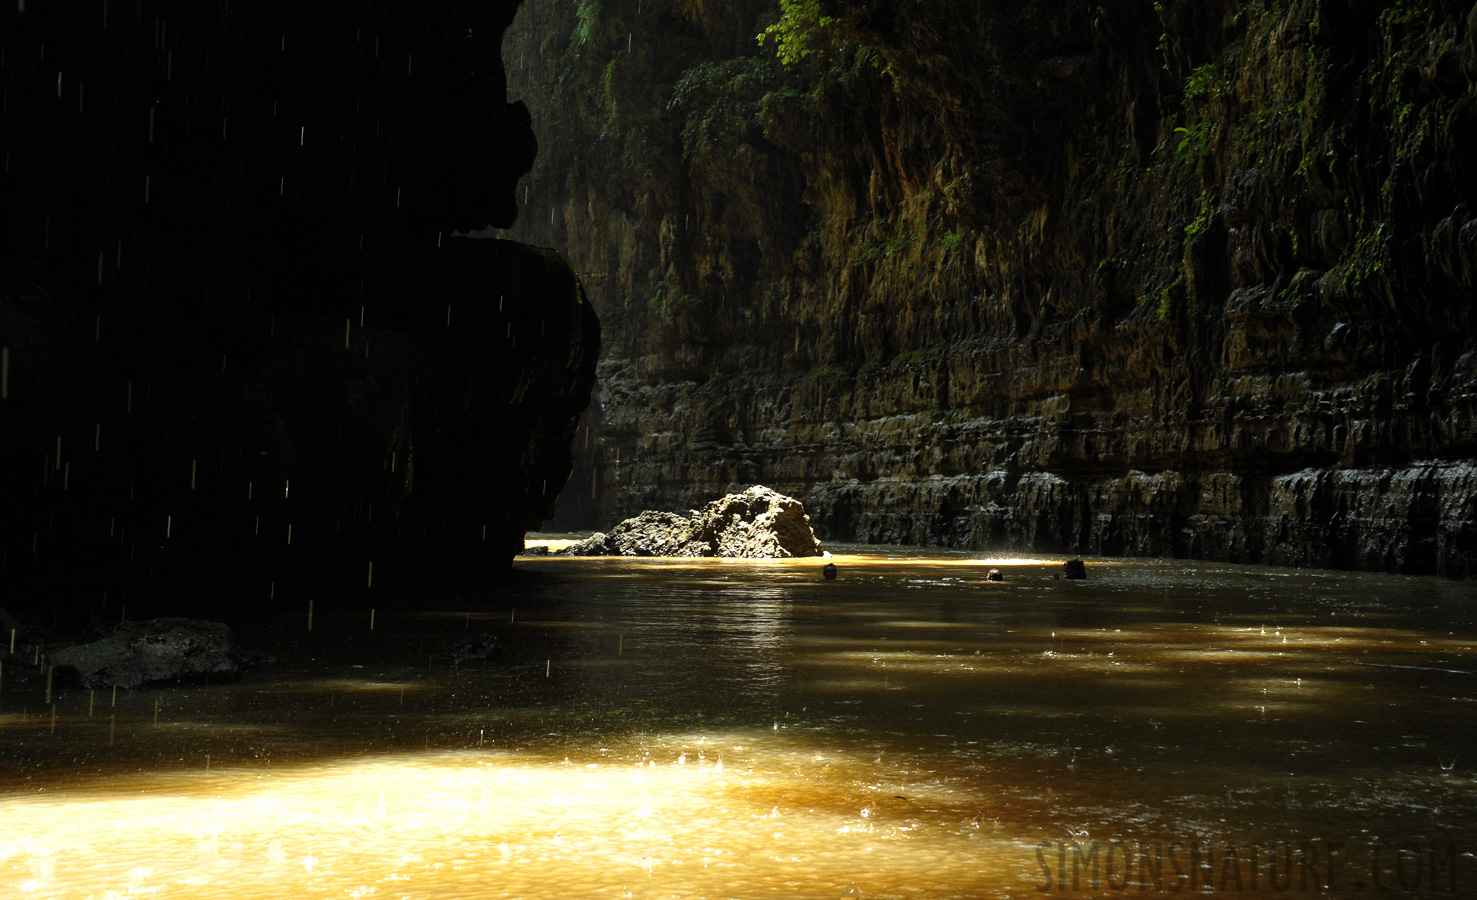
x=1181 y=278
x=758 y=523
x=244 y=353
x=158 y=651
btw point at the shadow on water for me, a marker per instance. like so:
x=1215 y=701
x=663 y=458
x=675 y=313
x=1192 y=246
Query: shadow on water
x=710 y=727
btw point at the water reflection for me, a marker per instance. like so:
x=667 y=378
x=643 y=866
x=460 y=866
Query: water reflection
x=694 y=815
x=711 y=728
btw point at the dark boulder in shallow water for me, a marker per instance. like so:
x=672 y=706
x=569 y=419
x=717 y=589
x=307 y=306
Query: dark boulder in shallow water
x=152 y=652
x=758 y=523
x=476 y=648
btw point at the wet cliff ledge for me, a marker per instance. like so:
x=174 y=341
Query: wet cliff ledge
x=1178 y=278
x=245 y=356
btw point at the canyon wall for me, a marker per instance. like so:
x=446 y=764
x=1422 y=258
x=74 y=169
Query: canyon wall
x=246 y=360
x=1181 y=278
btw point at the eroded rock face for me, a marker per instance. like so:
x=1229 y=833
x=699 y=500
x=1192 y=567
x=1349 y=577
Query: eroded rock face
x=1172 y=279
x=157 y=651
x=758 y=523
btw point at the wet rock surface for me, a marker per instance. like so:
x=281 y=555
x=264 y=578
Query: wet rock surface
x=1171 y=280
x=475 y=648
x=758 y=523
x=157 y=651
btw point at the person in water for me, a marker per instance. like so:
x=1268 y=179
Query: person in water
x=829 y=571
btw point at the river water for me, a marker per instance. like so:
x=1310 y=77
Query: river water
x=711 y=728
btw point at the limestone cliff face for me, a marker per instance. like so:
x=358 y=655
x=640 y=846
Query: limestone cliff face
x=1178 y=278
x=244 y=357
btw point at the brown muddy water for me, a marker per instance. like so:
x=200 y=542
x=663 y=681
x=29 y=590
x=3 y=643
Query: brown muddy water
x=747 y=729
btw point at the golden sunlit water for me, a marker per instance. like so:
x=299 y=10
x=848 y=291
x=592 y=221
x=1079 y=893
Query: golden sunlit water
x=712 y=728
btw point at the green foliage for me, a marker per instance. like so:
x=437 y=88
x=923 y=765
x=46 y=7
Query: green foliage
x=1305 y=163
x=720 y=102
x=1202 y=83
x=1166 y=305
x=1196 y=140
x=1371 y=383
x=640 y=152
x=1403 y=11
x=656 y=304
x=1204 y=216
x=891 y=245
x=608 y=97
x=672 y=303
x=1366 y=261
x=947 y=415
x=1167 y=297
x=950 y=240
x=1197 y=137
x=800 y=31
x=587 y=19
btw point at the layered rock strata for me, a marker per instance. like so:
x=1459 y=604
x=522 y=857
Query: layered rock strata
x=1177 y=279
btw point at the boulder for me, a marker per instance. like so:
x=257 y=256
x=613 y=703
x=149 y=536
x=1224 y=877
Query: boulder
x=135 y=654
x=758 y=523
x=475 y=648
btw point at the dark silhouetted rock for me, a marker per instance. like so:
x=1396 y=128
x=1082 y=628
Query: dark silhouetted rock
x=757 y=524
x=156 y=651
x=478 y=647
x=237 y=269
x=1074 y=570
